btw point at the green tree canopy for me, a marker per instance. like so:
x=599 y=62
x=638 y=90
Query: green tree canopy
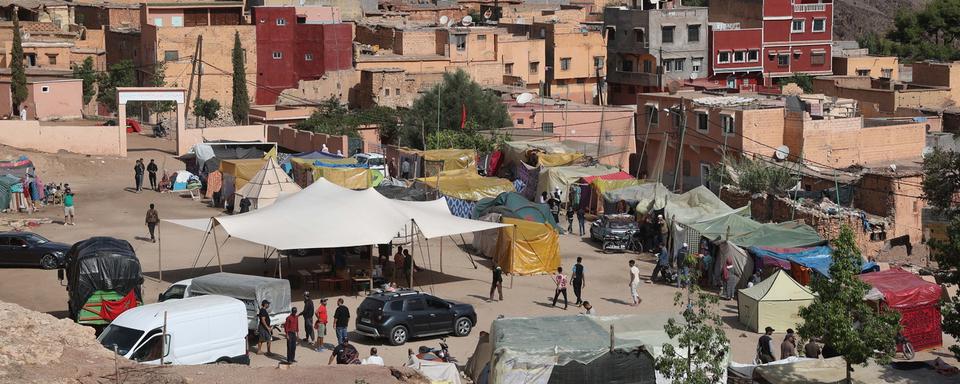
x=754 y=176
x=117 y=75
x=333 y=118
x=841 y=318
x=941 y=183
x=86 y=73
x=802 y=80
x=928 y=33
x=207 y=109
x=455 y=93
x=241 y=101
x=18 y=74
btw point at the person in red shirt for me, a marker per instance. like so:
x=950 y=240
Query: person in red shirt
x=291 y=327
x=321 y=324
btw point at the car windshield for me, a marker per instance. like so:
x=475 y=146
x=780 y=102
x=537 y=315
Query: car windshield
x=375 y=161
x=621 y=224
x=36 y=239
x=123 y=337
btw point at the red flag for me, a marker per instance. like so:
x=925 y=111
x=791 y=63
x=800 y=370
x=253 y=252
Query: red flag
x=463 y=116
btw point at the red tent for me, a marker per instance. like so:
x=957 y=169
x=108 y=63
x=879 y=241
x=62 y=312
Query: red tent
x=917 y=300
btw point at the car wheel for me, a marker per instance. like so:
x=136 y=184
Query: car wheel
x=48 y=262
x=462 y=327
x=398 y=335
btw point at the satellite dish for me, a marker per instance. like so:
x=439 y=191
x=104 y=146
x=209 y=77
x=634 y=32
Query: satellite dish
x=488 y=14
x=927 y=151
x=893 y=167
x=467 y=20
x=444 y=19
x=694 y=75
x=782 y=152
x=524 y=98
x=450 y=23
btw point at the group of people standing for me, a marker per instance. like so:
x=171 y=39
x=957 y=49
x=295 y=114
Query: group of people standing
x=788 y=347
x=573 y=208
x=151 y=169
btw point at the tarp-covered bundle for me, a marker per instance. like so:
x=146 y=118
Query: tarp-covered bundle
x=316 y=155
x=552 y=178
x=515 y=205
x=18 y=167
x=539 y=154
x=464 y=188
x=774 y=302
x=241 y=170
x=917 y=301
x=527 y=247
x=269 y=184
x=346 y=173
x=452 y=160
x=249 y=289
x=101 y=264
x=528 y=350
x=415 y=192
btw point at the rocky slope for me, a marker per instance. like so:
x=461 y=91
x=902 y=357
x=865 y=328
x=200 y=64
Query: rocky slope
x=855 y=18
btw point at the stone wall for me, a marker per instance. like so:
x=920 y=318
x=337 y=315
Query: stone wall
x=86 y=140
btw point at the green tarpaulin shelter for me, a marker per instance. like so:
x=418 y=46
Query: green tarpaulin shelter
x=746 y=232
x=552 y=178
x=6 y=182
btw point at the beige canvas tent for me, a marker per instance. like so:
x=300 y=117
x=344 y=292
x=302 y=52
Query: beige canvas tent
x=774 y=302
x=266 y=186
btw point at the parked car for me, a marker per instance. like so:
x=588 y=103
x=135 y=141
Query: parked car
x=398 y=316
x=374 y=161
x=249 y=289
x=614 y=232
x=199 y=330
x=27 y=249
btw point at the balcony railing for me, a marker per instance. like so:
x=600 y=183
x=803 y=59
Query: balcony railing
x=809 y=7
x=635 y=78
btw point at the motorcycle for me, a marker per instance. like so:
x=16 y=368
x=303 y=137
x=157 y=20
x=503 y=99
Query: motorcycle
x=434 y=354
x=159 y=130
x=618 y=241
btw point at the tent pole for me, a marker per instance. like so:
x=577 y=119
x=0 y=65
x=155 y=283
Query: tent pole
x=410 y=272
x=202 y=244
x=464 y=252
x=371 y=267
x=279 y=265
x=441 y=254
x=220 y=262
x=160 y=254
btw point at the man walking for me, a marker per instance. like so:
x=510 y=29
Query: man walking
x=138 y=175
x=321 y=324
x=561 y=281
x=152 y=170
x=663 y=264
x=570 y=218
x=341 y=317
x=581 y=220
x=68 y=208
x=634 y=283
x=291 y=327
x=263 y=327
x=576 y=276
x=765 y=346
x=307 y=317
x=153 y=218
x=497 y=283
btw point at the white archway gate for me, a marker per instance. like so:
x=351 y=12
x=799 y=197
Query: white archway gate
x=127 y=94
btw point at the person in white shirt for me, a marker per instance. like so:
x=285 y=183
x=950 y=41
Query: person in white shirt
x=23 y=112
x=374 y=359
x=634 y=283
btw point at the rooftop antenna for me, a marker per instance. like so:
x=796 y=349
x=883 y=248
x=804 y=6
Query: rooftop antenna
x=443 y=20
x=467 y=20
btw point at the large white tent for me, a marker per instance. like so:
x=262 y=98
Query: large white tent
x=326 y=215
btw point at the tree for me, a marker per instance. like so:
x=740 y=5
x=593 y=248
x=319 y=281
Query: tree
x=333 y=118
x=754 y=176
x=18 y=74
x=117 y=75
x=207 y=109
x=930 y=33
x=241 y=101
x=455 y=93
x=941 y=184
x=802 y=80
x=159 y=79
x=841 y=318
x=700 y=334
x=86 y=73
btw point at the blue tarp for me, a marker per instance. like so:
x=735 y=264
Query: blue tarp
x=816 y=258
x=320 y=163
x=285 y=164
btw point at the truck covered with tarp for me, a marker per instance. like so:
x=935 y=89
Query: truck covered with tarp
x=103 y=280
x=463 y=188
x=917 y=301
x=592 y=349
x=251 y=290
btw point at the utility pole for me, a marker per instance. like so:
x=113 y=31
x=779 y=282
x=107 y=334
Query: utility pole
x=199 y=75
x=193 y=71
x=600 y=136
x=683 y=131
x=439 y=93
x=660 y=70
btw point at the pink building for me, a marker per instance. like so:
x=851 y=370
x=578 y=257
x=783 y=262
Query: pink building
x=584 y=127
x=48 y=99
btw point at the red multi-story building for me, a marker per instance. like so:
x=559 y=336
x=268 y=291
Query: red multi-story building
x=298 y=43
x=776 y=38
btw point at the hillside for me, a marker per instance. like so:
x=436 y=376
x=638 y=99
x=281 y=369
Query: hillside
x=855 y=18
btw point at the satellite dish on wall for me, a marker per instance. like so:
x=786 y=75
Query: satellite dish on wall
x=782 y=152
x=444 y=19
x=524 y=98
x=467 y=20
x=694 y=75
x=488 y=14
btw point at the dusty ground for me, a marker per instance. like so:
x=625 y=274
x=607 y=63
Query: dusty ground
x=106 y=206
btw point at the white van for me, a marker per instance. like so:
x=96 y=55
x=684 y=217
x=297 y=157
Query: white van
x=200 y=330
x=249 y=289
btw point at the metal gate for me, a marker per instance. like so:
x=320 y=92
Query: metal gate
x=354 y=146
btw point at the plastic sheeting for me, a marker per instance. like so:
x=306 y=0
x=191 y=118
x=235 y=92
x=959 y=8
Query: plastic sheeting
x=269 y=184
x=439 y=372
x=515 y=205
x=743 y=264
x=101 y=264
x=916 y=300
x=315 y=155
x=18 y=168
x=249 y=289
x=593 y=200
x=745 y=232
x=774 y=302
x=453 y=159
x=642 y=198
x=468 y=185
x=415 y=192
x=562 y=177
x=350 y=178
x=548 y=154
x=527 y=247
x=6 y=187
x=485 y=242
x=816 y=258
x=242 y=170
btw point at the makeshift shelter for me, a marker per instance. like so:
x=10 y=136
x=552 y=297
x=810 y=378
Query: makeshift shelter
x=205 y=157
x=743 y=232
x=539 y=154
x=527 y=247
x=438 y=371
x=641 y=198
x=7 y=183
x=549 y=179
x=240 y=171
x=315 y=155
x=515 y=205
x=774 y=302
x=800 y=370
x=591 y=193
x=917 y=301
x=452 y=160
x=269 y=184
x=527 y=349
x=416 y=192
x=18 y=167
x=800 y=262
x=347 y=175
x=464 y=188
x=740 y=260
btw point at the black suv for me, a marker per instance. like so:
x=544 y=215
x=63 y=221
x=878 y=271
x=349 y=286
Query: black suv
x=400 y=315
